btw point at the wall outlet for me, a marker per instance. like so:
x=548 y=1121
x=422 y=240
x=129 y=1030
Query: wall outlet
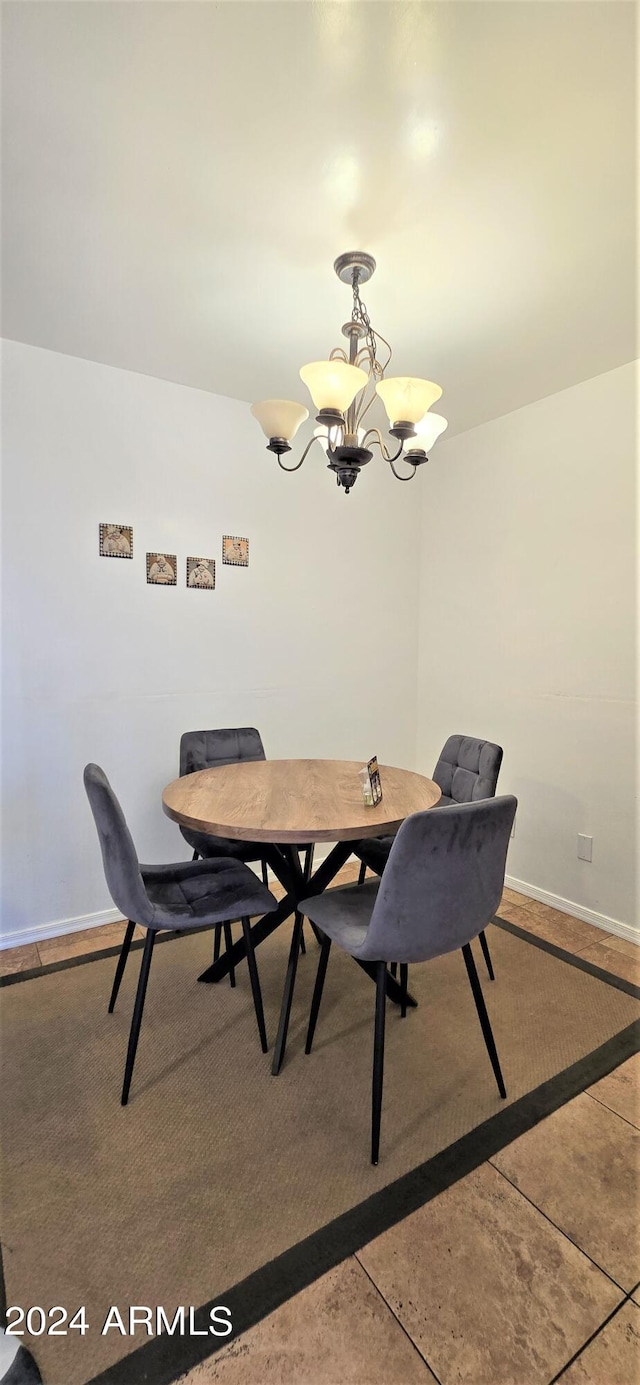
x=585 y=848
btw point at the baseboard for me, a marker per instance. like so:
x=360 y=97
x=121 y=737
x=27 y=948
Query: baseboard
x=555 y=901
x=577 y=911
x=20 y=937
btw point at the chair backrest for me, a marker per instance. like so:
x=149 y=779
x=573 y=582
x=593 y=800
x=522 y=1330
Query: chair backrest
x=468 y=769
x=119 y=856
x=443 y=881
x=208 y=749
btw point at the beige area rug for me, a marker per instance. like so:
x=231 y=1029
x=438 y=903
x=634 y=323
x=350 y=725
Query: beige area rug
x=216 y=1167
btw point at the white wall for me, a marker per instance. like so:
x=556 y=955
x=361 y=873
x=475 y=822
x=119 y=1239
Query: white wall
x=315 y=643
x=527 y=629
x=526 y=618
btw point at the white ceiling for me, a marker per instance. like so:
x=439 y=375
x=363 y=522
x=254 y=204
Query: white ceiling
x=179 y=177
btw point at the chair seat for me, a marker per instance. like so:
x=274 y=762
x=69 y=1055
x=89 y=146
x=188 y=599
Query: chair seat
x=197 y=894
x=374 y=851
x=206 y=846
x=343 y=914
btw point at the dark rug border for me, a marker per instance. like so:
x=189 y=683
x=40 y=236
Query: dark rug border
x=162 y=1360
x=574 y=959
x=32 y=973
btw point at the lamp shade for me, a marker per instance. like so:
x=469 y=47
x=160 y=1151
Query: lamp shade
x=279 y=418
x=333 y=384
x=428 y=429
x=407 y=399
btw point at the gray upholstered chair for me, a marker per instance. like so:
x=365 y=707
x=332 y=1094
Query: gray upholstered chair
x=441 y=885
x=208 y=750
x=190 y=894
x=467 y=770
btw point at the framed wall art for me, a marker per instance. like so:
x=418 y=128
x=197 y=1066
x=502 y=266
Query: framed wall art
x=201 y=573
x=162 y=569
x=116 y=541
x=235 y=551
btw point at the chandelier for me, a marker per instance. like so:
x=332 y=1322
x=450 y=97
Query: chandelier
x=344 y=387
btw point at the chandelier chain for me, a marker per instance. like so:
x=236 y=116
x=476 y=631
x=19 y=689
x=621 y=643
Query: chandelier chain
x=361 y=315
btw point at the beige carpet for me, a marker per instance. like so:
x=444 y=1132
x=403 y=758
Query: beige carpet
x=215 y=1167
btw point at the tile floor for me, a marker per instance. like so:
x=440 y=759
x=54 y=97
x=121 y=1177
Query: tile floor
x=523 y=1273
x=526 y=1272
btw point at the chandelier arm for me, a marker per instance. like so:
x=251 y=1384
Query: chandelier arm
x=362 y=356
x=365 y=403
x=374 y=365
x=397 y=473
x=338 y=354
x=385 y=343
x=376 y=373
x=367 y=406
x=304 y=454
x=291 y=468
x=378 y=438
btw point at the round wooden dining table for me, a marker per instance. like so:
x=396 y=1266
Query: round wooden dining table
x=288 y=805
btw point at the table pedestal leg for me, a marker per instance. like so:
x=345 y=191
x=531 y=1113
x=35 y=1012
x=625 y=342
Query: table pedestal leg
x=285 y=864
x=291 y=877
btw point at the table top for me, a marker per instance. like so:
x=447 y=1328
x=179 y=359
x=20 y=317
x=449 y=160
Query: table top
x=294 y=801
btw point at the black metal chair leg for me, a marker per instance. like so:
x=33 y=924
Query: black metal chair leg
x=378 y=1059
x=363 y=871
x=303 y=945
x=483 y=1017
x=487 y=955
x=137 y=1013
x=393 y=968
x=122 y=962
x=325 y=948
x=195 y=856
x=217 y=939
x=285 y=1010
x=404 y=982
x=228 y=942
x=265 y=875
x=255 y=983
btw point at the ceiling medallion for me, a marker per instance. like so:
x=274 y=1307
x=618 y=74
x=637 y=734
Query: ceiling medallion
x=343 y=388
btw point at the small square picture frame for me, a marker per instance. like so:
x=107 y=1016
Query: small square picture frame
x=235 y=551
x=201 y=574
x=116 y=540
x=162 y=569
